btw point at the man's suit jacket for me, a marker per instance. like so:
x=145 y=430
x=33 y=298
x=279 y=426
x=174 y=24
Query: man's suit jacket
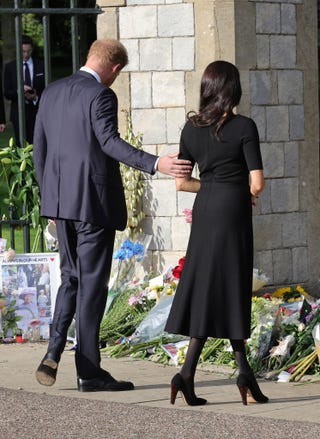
x=77 y=148
x=11 y=85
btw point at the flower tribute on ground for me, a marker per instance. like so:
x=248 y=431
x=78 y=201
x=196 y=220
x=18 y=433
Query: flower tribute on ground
x=285 y=338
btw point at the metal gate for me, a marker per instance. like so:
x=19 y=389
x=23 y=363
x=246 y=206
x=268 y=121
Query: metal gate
x=45 y=11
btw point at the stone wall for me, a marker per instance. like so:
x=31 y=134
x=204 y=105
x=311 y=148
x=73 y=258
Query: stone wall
x=273 y=43
x=278 y=84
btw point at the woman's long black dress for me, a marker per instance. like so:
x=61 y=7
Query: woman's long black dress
x=213 y=298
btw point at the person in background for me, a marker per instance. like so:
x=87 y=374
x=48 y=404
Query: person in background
x=77 y=150
x=213 y=298
x=34 y=82
x=2 y=113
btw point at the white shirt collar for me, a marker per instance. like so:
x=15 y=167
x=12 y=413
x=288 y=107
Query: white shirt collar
x=29 y=62
x=92 y=72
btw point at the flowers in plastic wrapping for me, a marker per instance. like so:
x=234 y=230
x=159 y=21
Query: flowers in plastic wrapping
x=283 y=348
x=265 y=314
x=127 y=270
x=259 y=280
x=163 y=285
x=127 y=255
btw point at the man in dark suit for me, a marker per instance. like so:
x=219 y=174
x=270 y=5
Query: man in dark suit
x=77 y=150
x=33 y=73
x=2 y=113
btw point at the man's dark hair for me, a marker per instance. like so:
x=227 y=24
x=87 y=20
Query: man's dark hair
x=27 y=40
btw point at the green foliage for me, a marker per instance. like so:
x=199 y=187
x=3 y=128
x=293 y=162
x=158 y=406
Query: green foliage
x=9 y=318
x=20 y=177
x=133 y=183
x=33 y=27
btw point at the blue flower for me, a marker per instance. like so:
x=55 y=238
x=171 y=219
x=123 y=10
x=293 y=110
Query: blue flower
x=138 y=250
x=120 y=254
x=129 y=252
x=127 y=244
x=129 y=249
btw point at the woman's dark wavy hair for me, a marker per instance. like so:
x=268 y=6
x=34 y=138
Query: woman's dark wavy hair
x=220 y=92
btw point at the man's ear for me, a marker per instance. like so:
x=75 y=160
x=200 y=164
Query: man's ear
x=116 y=68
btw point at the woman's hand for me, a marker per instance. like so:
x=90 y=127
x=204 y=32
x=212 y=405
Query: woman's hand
x=256 y=182
x=188 y=184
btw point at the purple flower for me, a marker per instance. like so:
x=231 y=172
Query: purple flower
x=309 y=316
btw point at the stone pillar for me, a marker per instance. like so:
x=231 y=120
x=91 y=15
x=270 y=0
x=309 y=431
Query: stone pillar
x=286 y=229
x=307 y=61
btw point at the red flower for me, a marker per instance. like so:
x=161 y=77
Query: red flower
x=178 y=269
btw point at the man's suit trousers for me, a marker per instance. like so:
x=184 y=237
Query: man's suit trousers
x=85 y=260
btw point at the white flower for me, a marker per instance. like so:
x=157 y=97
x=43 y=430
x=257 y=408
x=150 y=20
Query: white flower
x=8 y=255
x=152 y=294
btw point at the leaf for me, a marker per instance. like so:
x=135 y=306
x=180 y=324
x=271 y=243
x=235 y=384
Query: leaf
x=21 y=180
x=6 y=161
x=23 y=165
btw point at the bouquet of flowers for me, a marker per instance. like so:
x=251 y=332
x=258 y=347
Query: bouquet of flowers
x=124 y=269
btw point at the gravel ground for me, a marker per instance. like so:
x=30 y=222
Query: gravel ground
x=26 y=415
x=31 y=411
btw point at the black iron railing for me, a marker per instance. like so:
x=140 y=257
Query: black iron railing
x=15 y=226
x=45 y=11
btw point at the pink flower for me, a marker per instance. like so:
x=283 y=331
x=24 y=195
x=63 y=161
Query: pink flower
x=188 y=215
x=140 y=296
x=138 y=299
x=132 y=301
x=34 y=322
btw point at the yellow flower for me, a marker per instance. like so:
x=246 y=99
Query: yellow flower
x=181 y=355
x=302 y=291
x=281 y=291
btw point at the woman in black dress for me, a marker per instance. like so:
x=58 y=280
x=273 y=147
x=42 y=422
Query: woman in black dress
x=213 y=298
